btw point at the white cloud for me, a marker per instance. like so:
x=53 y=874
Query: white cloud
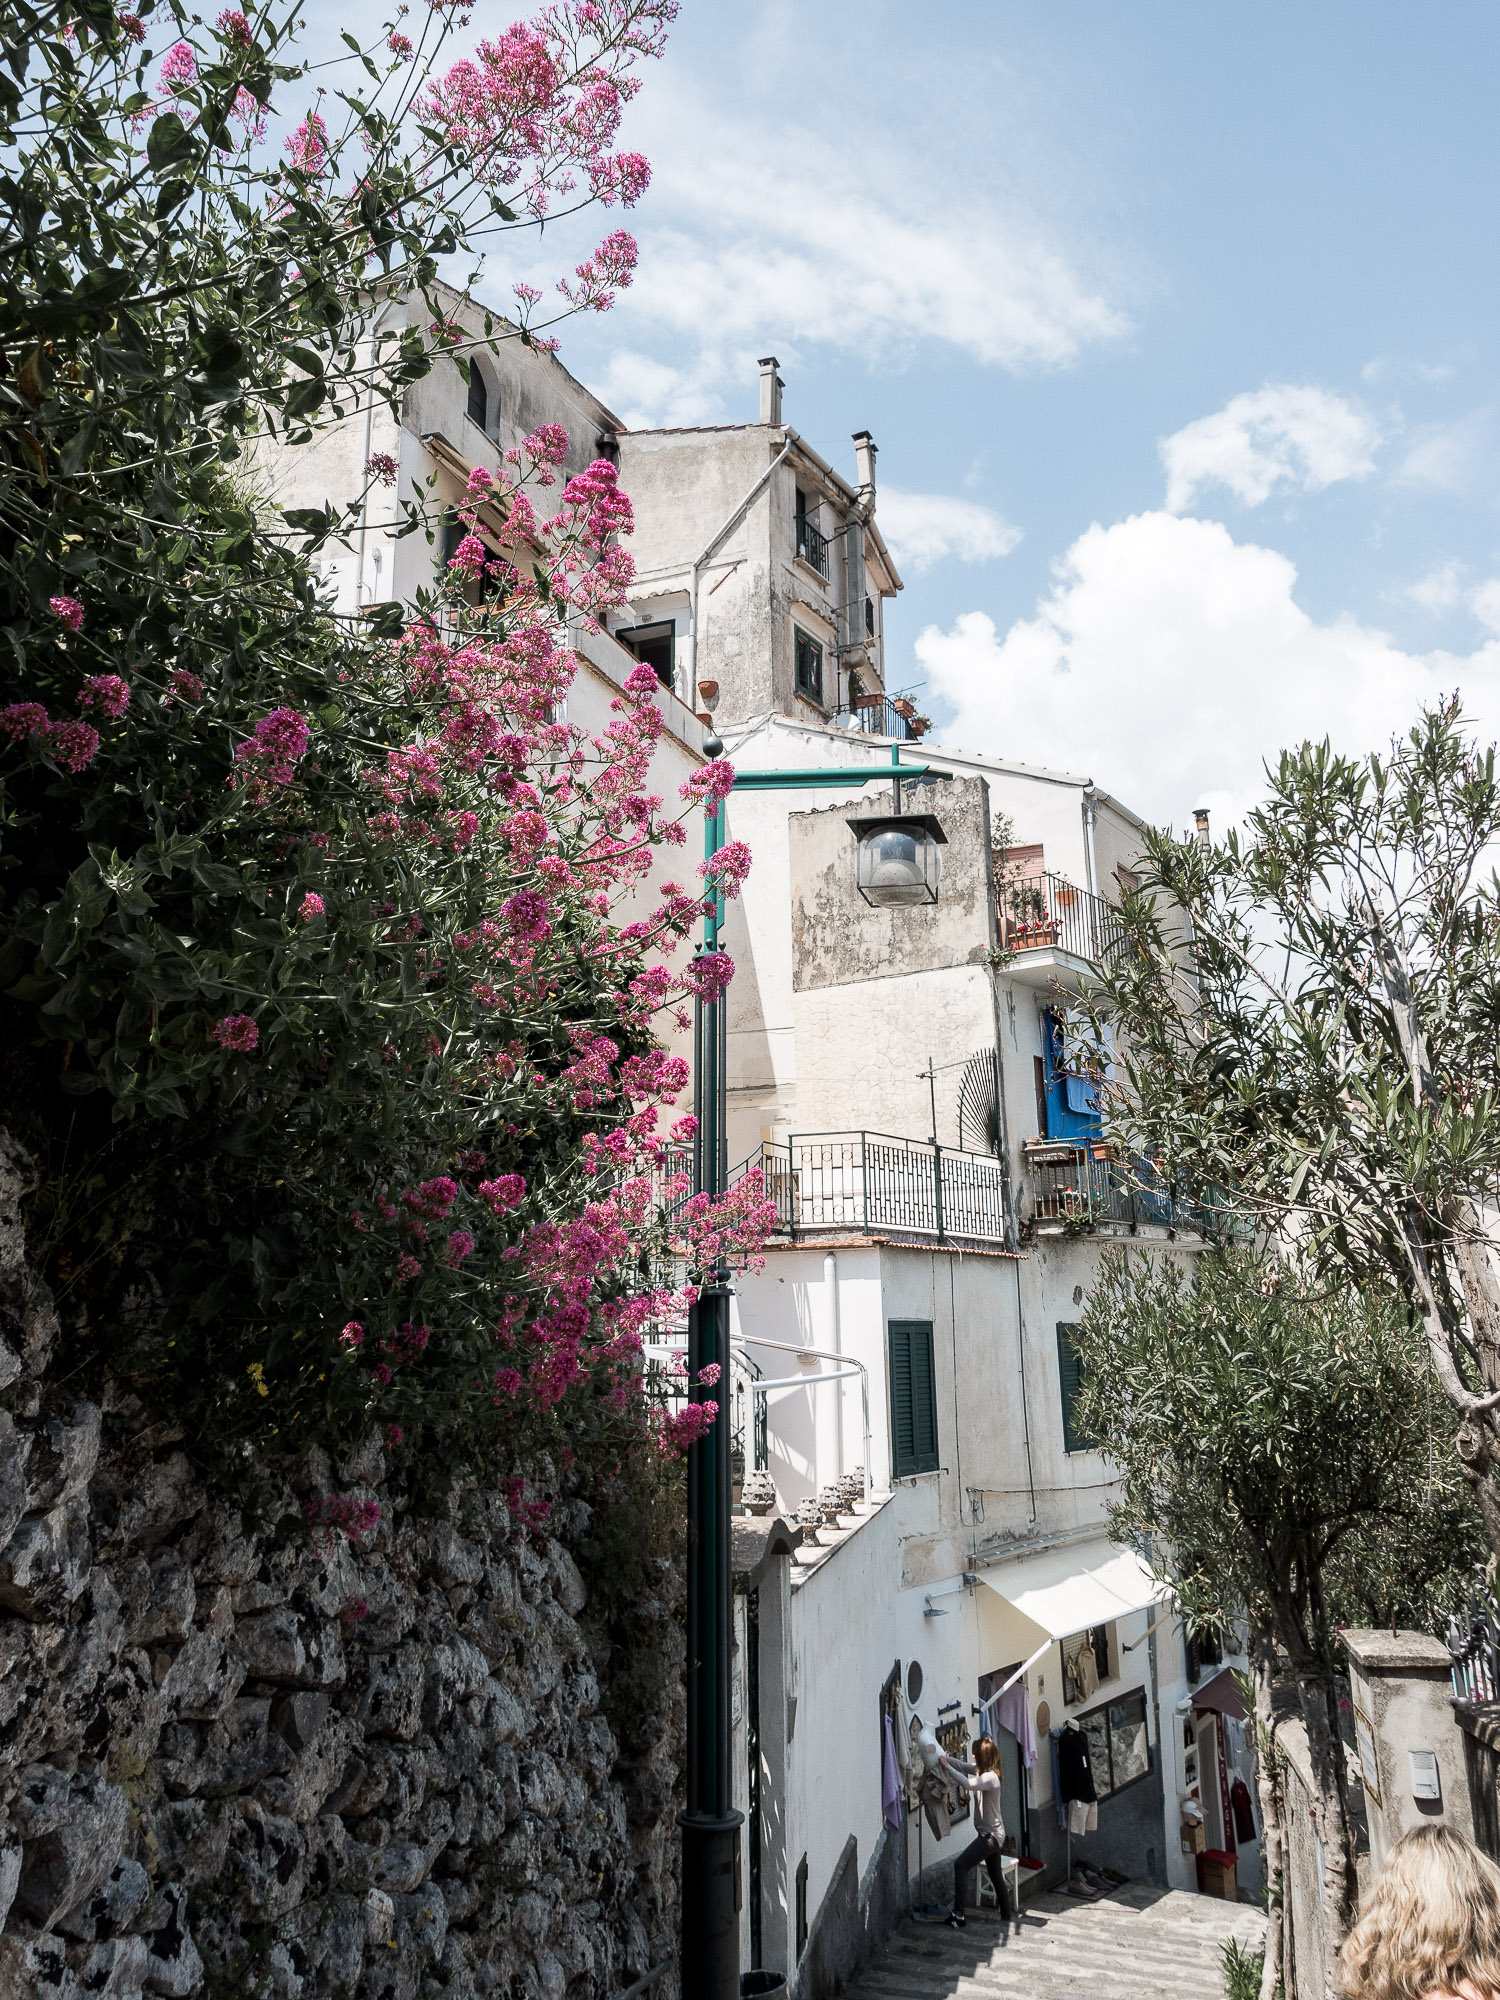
x=1439 y=590
x=1169 y=661
x=1283 y=435
x=926 y=528
x=1444 y=456
x=1485 y=604
x=1386 y=368
x=752 y=244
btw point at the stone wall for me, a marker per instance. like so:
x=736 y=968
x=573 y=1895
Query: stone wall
x=237 y=1758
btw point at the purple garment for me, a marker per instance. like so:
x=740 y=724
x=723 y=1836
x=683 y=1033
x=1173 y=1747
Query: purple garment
x=1013 y=1712
x=890 y=1782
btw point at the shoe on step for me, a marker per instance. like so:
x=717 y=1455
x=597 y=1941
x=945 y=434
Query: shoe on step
x=956 y=1920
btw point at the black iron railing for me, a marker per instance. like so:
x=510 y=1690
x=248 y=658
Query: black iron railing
x=1086 y=1186
x=877 y=716
x=1050 y=913
x=1474 y=1643
x=812 y=545
x=872 y=1181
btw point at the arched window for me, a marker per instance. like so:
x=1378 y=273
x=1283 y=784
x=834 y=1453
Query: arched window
x=479 y=396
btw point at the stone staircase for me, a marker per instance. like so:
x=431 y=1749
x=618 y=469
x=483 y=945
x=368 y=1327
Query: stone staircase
x=1138 y=1943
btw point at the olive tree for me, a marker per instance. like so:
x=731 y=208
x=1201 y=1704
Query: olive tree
x=1273 y=1442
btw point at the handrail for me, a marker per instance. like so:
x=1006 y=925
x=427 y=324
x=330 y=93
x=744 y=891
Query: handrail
x=825 y=1354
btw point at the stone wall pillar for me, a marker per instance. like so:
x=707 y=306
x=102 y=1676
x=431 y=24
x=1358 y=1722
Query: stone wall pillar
x=1407 y=1738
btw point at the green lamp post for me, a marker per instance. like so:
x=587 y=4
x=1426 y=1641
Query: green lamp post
x=710 y=1955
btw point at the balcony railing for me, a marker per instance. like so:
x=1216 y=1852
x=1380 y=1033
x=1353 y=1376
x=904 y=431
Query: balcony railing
x=812 y=545
x=1086 y=1187
x=871 y=1182
x=1474 y=1643
x=1049 y=913
x=877 y=715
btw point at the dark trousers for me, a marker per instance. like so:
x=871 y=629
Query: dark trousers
x=986 y=1849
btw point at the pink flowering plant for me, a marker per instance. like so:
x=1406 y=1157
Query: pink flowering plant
x=321 y=1008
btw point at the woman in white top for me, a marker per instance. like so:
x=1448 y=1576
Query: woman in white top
x=982 y=1778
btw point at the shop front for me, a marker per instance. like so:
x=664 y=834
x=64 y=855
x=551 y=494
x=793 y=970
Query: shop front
x=1070 y=1700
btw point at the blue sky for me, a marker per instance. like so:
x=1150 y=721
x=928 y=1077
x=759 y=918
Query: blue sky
x=1174 y=324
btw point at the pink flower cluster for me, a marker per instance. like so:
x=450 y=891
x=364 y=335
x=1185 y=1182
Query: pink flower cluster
x=236 y=1032
x=70 y=744
x=268 y=758
x=343 y=1513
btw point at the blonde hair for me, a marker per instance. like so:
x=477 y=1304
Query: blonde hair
x=1431 y=1921
x=987 y=1754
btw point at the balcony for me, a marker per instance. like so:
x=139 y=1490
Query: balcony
x=1077 y=1187
x=878 y=715
x=812 y=545
x=1050 y=927
x=872 y=1184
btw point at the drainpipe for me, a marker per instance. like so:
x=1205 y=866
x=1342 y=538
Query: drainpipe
x=702 y=557
x=1090 y=814
x=831 y=1284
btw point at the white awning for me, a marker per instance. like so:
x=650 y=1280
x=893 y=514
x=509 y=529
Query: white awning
x=1064 y=1591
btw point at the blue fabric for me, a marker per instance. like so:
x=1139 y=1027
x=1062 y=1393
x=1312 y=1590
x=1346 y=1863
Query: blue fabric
x=1066 y=1118
x=1083 y=1095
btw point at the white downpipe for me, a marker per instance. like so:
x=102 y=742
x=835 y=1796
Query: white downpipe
x=849 y=1365
x=691 y=696
x=831 y=1284
x=1090 y=814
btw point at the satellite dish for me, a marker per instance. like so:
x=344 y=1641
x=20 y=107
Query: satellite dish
x=979 y=1105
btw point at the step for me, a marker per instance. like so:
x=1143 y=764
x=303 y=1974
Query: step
x=1137 y=1944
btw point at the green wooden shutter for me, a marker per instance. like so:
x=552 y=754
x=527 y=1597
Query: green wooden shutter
x=1070 y=1381
x=914 y=1439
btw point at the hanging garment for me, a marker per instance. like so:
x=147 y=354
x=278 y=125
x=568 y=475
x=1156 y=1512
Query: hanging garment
x=1244 y=1812
x=1083 y=1816
x=1224 y=1811
x=890 y=1781
x=1073 y=1765
x=935 y=1804
x=1082 y=1093
x=1013 y=1712
x=1234 y=1734
x=1085 y=1671
x=1057 y=1797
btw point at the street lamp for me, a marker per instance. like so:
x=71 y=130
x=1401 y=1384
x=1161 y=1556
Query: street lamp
x=709 y=1966
x=899 y=862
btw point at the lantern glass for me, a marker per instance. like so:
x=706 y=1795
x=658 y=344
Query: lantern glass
x=898 y=865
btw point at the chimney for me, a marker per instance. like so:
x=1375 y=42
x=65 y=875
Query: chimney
x=1200 y=818
x=771 y=386
x=864 y=458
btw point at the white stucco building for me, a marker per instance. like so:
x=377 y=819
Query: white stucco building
x=901 y=1077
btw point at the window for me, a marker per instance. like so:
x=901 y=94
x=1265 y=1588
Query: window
x=479 y=396
x=1070 y=1380
x=870 y=617
x=809 y=666
x=656 y=646
x=1203 y=1649
x=1119 y=1748
x=801 y=1906
x=810 y=541
x=914 y=1440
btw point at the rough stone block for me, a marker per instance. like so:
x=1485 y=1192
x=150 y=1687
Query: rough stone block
x=64 y=1452
x=204 y=1678
x=168 y=1612
x=45 y=1564
x=113 y=1970
x=173 y=1966
x=36 y=1968
x=113 y=1908
x=392 y=1702
x=63 y=1868
x=292 y=1647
